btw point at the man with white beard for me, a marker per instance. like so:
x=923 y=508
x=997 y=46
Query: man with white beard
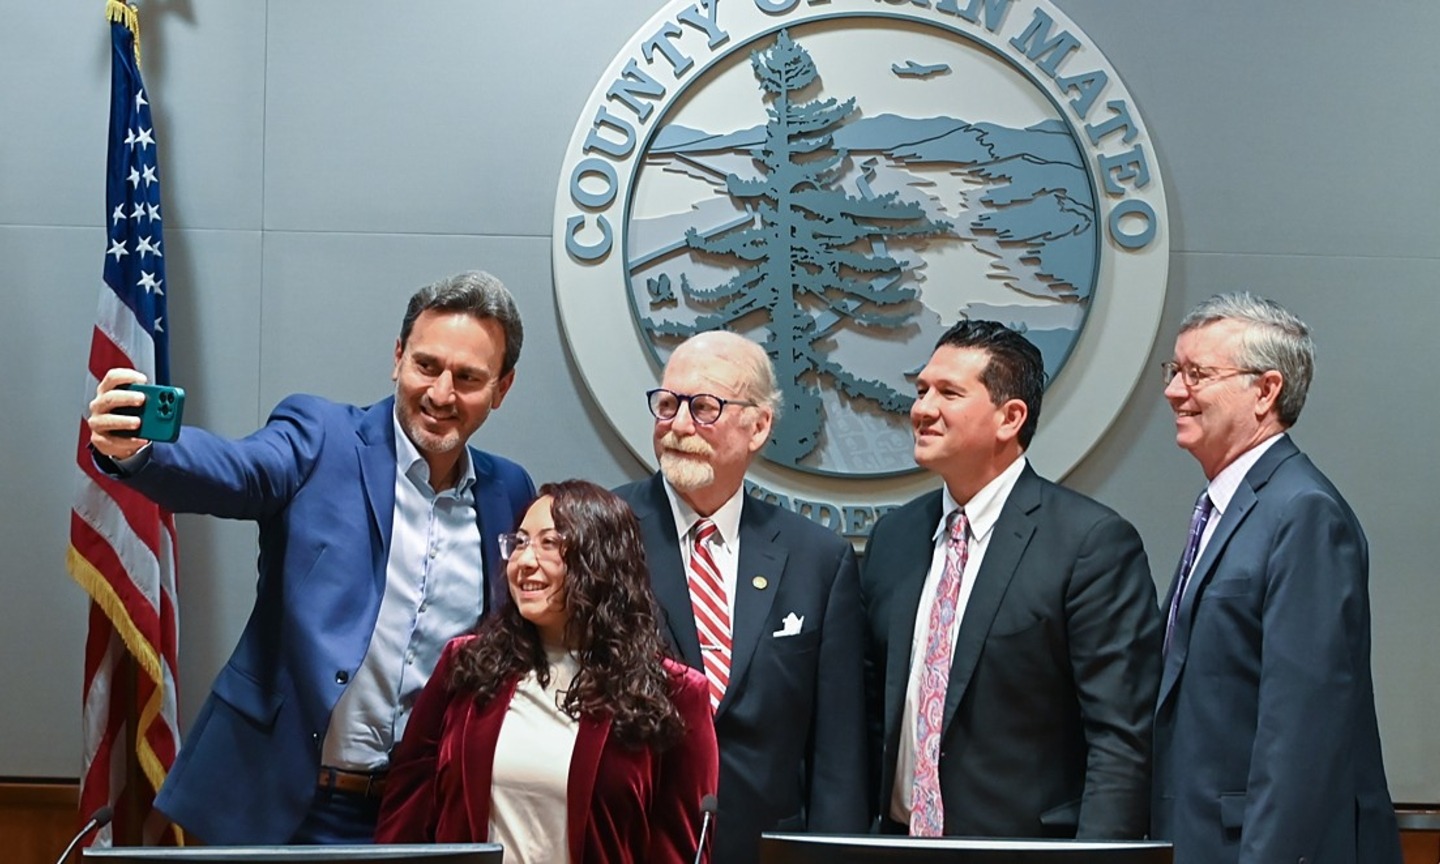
x=762 y=600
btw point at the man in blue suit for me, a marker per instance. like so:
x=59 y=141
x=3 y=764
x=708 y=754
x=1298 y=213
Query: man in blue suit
x=764 y=601
x=378 y=532
x=1266 y=743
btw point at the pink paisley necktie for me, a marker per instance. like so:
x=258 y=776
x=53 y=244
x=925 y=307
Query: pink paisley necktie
x=927 y=810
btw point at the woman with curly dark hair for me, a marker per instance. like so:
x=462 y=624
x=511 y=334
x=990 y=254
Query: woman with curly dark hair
x=559 y=729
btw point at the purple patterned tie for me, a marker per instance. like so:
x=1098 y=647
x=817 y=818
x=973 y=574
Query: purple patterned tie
x=927 y=811
x=1203 y=509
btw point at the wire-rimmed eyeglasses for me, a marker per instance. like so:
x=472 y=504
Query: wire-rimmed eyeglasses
x=550 y=544
x=1198 y=376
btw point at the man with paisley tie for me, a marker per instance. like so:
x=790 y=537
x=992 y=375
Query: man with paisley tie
x=1014 y=636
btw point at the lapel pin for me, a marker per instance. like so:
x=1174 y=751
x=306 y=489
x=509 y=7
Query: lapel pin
x=760 y=583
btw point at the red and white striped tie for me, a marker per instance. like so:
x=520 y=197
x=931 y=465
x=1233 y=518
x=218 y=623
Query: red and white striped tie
x=712 y=611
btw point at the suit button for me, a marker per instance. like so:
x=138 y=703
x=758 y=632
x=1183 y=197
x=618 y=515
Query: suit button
x=342 y=677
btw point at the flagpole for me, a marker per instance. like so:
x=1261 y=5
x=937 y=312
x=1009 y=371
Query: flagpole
x=130 y=831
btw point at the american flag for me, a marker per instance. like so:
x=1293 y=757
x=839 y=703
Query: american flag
x=122 y=546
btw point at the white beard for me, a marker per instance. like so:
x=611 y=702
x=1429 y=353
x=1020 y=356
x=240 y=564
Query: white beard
x=685 y=472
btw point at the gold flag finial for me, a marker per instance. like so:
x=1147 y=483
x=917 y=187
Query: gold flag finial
x=118 y=12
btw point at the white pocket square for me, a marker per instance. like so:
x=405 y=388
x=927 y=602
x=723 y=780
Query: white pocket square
x=790 y=625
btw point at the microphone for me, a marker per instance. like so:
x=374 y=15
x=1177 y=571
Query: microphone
x=708 y=805
x=99 y=819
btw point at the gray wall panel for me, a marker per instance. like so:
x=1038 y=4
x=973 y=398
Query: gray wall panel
x=207 y=70
x=50 y=284
x=55 y=58
x=448 y=118
x=1284 y=126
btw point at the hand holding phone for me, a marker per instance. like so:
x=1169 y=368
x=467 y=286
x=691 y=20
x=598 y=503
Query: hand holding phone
x=160 y=415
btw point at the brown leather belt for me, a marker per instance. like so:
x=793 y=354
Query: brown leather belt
x=371 y=785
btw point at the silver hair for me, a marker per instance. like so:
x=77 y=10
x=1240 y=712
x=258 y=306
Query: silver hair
x=760 y=373
x=1274 y=338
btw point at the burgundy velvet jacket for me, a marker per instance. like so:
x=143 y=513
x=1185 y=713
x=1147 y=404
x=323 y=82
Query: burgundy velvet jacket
x=625 y=805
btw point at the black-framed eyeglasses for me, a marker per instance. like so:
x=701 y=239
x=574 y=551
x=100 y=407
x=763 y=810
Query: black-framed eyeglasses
x=705 y=408
x=1198 y=376
x=550 y=544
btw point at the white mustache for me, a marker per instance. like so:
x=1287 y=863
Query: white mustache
x=692 y=444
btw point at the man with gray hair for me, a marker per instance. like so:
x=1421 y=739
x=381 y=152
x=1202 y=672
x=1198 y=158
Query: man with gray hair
x=762 y=600
x=378 y=543
x=1267 y=747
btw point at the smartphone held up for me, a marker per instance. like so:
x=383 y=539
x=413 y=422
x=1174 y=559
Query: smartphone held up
x=160 y=415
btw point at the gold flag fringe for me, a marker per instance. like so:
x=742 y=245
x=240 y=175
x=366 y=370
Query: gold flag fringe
x=118 y=12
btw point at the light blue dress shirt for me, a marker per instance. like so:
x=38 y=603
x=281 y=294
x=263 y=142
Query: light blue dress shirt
x=433 y=592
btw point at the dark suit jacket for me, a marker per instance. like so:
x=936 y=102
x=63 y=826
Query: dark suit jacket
x=624 y=805
x=792 y=725
x=1267 y=747
x=1056 y=664
x=319 y=478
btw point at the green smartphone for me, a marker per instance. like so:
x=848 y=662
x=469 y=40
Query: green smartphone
x=160 y=415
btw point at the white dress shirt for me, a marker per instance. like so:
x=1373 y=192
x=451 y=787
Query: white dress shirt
x=983 y=510
x=1222 y=490
x=724 y=546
